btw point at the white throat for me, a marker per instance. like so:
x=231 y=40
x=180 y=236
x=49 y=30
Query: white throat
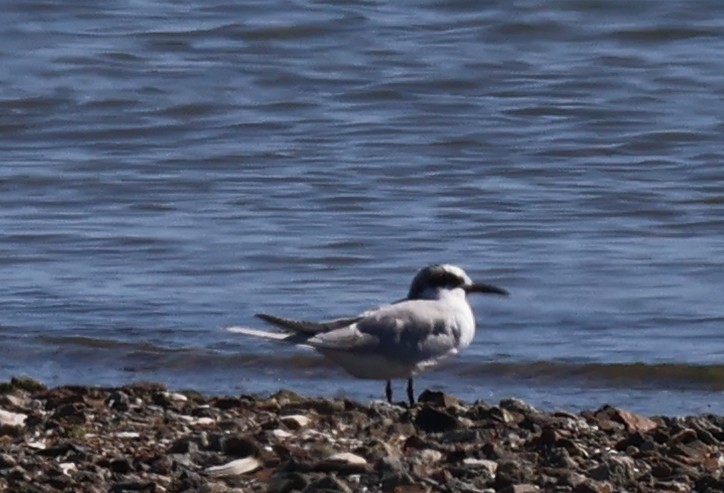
x=445 y=294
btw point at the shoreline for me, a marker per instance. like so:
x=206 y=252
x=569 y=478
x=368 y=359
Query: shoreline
x=143 y=437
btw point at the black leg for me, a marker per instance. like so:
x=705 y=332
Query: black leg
x=410 y=392
x=388 y=391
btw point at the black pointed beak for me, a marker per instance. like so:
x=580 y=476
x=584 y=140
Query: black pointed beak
x=485 y=289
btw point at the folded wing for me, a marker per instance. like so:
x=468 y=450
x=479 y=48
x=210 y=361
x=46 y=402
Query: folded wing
x=411 y=330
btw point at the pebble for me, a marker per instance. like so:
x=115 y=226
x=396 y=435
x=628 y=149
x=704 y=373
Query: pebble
x=347 y=458
x=295 y=421
x=12 y=420
x=143 y=438
x=281 y=434
x=490 y=465
x=234 y=468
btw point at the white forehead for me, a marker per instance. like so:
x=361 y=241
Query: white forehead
x=454 y=269
x=434 y=277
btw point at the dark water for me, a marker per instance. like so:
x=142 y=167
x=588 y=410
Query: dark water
x=168 y=169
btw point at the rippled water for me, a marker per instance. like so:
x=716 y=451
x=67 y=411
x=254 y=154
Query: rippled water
x=168 y=169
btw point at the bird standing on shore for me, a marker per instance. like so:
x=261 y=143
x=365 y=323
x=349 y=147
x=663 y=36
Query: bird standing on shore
x=399 y=340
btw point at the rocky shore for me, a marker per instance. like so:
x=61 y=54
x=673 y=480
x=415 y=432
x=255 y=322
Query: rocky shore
x=145 y=438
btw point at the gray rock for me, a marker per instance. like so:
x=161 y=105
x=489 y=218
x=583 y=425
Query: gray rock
x=7 y=461
x=518 y=406
x=511 y=473
x=617 y=468
x=162 y=465
x=118 y=401
x=521 y=488
x=327 y=484
x=489 y=465
x=461 y=435
x=133 y=486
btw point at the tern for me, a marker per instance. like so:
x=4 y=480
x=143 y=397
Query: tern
x=397 y=340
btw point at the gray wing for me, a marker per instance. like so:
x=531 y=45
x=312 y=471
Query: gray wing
x=410 y=330
x=305 y=327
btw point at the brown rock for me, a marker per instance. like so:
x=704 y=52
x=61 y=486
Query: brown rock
x=287 y=482
x=709 y=483
x=548 y=438
x=236 y=467
x=343 y=463
x=574 y=479
x=617 y=468
x=392 y=473
x=692 y=453
x=134 y=485
x=440 y=399
x=143 y=389
x=518 y=406
x=713 y=463
x=239 y=446
x=513 y=472
x=11 y=423
x=183 y=445
x=661 y=469
x=7 y=461
x=434 y=421
x=226 y=403
x=684 y=436
x=521 y=488
x=295 y=421
x=162 y=465
x=328 y=484
x=490 y=466
x=503 y=415
x=70 y=414
x=590 y=486
x=671 y=487
x=605 y=419
x=18 y=402
x=23 y=383
x=121 y=465
x=415 y=442
x=118 y=401
x=635 y=422
x=411 y=488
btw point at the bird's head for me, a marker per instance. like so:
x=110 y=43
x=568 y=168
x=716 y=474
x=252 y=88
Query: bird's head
x=432 y=279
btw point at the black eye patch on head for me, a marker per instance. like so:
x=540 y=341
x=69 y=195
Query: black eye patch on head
x=446 y=279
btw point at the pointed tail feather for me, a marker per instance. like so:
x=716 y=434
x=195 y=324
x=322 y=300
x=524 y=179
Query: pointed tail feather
x=303 y=326
x=277 y=336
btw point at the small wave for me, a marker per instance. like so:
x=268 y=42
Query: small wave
x=660 y=34
x=536 y=373
x=145 y=355
x=628 y=375
x=97 y=343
